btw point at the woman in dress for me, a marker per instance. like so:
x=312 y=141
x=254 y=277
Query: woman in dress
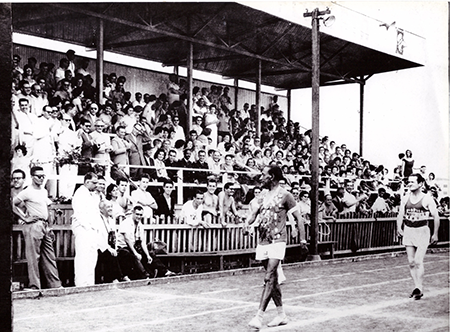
x=407 y=164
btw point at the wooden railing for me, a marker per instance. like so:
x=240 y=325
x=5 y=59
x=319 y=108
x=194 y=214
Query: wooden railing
x=349 y=235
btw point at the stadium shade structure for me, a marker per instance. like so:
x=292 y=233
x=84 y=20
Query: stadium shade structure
x=246 y=41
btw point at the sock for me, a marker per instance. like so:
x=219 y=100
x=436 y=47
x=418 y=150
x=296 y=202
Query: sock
x=280 y=311
x=260 y=314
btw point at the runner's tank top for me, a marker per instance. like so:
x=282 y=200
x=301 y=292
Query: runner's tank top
x=416 y=215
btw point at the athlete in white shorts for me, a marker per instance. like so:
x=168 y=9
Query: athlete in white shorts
x=412 y=224
x=271 y=216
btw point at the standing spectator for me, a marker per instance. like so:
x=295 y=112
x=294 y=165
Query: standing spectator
x=17 y=182
x=327 y=210
x=211 y=121
x=210 y=203
x=142 y=197
x=87 y=142
x=38 y=99
x=102 y=144
x=201 y=176
x=136 y=152
x=349 y=201
x=179 y=131
x=407 y=164
x=120 y=147
x=172 y=161
x=85 y=224
x=17 y=71
x=31 y=206
x=69 y=145
x=70 y=54
x=227 y=205
x=165 y=201
x=191 y=212
x=83 y=70
x=60 y=72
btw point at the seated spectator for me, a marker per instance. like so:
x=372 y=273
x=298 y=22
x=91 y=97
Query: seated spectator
x=191 y=212
x=210 y=203
x=227 y=205
x=166 y=201
x=107 y=269
x=134 y=259
x=142 y=197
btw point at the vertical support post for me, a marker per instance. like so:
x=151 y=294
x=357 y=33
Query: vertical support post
x=5 y=168
x=100 y=57
x=190 y=83
x=258 y=100
x=361 y=115
x=289 y=99
x=236 y=93
x=315 y=136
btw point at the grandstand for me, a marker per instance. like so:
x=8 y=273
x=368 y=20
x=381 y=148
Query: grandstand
x=223 y=247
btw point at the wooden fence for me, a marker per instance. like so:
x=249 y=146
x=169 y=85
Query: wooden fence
x=350 y=234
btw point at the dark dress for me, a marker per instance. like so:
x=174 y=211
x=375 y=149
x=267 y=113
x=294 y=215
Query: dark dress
x=408 y=167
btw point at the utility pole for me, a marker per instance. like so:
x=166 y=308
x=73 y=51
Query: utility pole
x=314 y=230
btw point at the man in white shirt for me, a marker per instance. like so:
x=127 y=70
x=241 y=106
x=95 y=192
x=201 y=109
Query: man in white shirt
x=85 y=223
x=349 y=200
x=31 y=206
x=142 y=197
x=191 y=212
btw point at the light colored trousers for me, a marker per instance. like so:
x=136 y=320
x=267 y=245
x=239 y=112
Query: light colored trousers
x=85 y=255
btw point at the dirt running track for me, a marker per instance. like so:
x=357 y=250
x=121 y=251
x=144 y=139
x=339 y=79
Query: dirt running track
x=343 y=295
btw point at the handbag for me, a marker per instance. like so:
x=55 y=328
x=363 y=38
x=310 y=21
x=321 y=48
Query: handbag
x=158 y=247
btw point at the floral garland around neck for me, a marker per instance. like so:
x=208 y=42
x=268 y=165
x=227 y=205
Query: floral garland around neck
x=268 y=215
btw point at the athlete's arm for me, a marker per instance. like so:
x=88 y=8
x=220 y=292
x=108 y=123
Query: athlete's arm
x=430 y=204
x=400 y=215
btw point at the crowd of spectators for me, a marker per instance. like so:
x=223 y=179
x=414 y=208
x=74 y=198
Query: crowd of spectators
x=58 y=125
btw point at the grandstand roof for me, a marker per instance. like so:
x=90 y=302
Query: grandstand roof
x=229 y=39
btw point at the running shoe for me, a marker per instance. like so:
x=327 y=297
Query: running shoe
x=256 y=323
x=278 y=320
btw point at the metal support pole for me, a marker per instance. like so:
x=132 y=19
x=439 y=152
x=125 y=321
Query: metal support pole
x=100 y=55
x=258 y=100
x=314 y=231
x=361 y=115
x=236 y=93
x=190 y=83
x=289 y=99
